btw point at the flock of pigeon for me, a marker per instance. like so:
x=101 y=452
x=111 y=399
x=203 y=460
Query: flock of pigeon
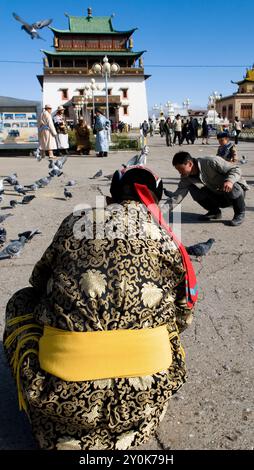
x=56 y=170
x=15 y=247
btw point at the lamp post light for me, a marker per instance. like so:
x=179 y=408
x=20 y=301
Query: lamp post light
x=106 y=70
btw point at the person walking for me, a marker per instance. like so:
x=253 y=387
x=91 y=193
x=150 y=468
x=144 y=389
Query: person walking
x=145 y=128
x=82 y=132
x=237 y=129
x=185 y=132
x=223 y=186
x=178 y=129
x=192 y=131
x=47 y=132
x=168 y=129
x=62 y=138
x=102 y=129
x=205 y=132
x=151 y=127
x=161 y=126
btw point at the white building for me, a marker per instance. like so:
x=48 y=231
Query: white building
x=69 y=69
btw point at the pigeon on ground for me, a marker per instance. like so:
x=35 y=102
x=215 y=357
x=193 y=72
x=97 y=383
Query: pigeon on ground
x=13 y=249
x=19 y=189
x=13 y=203
x=31 y=29
x=71 y=183
x=1 y=198
x=200 y=249
x=31 y=187
x=12 y=179
x=29 y=234
x=43 y=182
x=97 y=175
x=243 y=160
x=4 y=217
x=67 y=194
x=27 y=199
x=3 y=234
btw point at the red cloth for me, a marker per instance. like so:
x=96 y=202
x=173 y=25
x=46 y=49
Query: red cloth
x=146 y=197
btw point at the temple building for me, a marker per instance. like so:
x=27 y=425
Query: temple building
x=68 y=71
x=241 y=103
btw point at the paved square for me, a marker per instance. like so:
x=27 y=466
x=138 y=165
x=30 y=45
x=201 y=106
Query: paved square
x=215 y=408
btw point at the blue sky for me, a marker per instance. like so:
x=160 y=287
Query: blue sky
x=185 y=32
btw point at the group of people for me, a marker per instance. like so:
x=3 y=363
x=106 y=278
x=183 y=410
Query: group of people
x=54 y=138
x=186 y=130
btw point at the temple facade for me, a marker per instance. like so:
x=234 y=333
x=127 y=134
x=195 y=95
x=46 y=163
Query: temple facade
x=241 y=103
x=68 y=71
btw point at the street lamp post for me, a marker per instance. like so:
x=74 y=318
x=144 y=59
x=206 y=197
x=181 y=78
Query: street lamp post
x=106 y=70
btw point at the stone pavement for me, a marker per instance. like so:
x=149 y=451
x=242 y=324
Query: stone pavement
x=214 y=409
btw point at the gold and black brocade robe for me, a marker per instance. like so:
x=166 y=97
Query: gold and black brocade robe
x=108 y=283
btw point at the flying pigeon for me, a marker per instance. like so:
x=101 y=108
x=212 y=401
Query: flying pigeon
x=27 y=199
x=12 y=179
x=29 y=234
x=13 y=249
x=13 y=203
x=60 y=162
x=3 y=234
x=67 y=194
x=200 y=249
x=97 y=175
x=4 y=217
x=71 y=183
x=138 y=159
x=31 y=29
x=19 y=189
x=54 y=170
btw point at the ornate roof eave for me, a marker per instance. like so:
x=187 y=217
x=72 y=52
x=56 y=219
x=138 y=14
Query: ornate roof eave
x=244 y=81
x=94 y=53
x=108 y=33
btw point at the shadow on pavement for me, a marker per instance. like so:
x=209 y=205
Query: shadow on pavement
x=15 y=431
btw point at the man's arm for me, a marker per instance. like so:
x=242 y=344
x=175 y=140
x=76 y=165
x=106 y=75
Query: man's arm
x=179 y=194
x=231 y=171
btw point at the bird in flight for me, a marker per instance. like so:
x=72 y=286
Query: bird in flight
x=32 y=29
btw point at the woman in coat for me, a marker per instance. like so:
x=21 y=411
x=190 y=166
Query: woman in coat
x=62 y=138
x=94 y=344
x=102 y=128
x=47 y=132
x=205 y=132
x=82 y=132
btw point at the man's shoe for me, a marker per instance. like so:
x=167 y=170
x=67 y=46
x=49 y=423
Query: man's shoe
x=212 y=215
x=238 y=219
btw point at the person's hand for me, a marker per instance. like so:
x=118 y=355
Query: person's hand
x=227 y=187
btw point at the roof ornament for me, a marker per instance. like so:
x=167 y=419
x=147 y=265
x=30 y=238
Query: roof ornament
x=89 y=13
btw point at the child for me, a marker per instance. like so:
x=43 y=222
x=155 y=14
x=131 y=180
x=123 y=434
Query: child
x=226 y=150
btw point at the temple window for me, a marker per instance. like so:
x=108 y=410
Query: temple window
x=125 y=93
x=110 y=92
x=64 y=93
x=125 y=110
x=246 y=111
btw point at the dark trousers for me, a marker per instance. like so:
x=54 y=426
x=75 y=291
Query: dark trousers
x=178 y=135
x=168 y=139
x=237 y=137
x=214 y=201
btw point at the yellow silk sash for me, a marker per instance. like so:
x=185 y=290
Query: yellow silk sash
x=74 y=356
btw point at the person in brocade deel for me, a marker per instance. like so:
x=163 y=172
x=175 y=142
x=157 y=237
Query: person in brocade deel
x=94 y=343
